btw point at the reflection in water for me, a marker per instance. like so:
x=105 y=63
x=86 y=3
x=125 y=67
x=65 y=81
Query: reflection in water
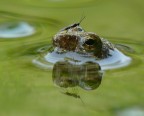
x=77 y=58
x=15 y=29
x=77 y=45
x=50 y=57
x=92 y=76
x=87 y=76
x=26 y=90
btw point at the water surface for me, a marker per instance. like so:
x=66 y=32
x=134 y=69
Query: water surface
x=27 y=90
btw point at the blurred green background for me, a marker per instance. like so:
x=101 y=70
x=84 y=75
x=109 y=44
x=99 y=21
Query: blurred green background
x=26 y=90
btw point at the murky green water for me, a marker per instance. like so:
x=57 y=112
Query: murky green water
x=27 y=25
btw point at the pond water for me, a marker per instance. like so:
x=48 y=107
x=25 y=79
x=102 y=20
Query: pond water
x=26 y=31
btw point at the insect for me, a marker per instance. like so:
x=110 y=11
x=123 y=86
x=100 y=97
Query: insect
x=73 y=94
x=67 y=39
x=73 y=25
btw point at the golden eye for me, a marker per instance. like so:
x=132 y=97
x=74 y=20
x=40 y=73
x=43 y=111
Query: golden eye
x=90 y=45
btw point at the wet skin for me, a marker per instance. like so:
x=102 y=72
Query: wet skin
x=74 y=38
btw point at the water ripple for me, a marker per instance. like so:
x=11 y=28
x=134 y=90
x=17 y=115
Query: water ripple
x=16 y=29
x=117 y=60
x=52 y=3
x=132 y=111
x=14 y=25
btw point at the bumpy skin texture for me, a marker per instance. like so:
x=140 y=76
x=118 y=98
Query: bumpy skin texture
x=93 y=44
x=66 y=41
x=77 y=40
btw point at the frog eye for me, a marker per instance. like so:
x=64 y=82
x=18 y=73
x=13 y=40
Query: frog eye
x=90 y=42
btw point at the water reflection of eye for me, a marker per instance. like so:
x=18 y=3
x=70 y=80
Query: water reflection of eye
x=92 y=76
x=62 y=75
x=90 y=83
x=87 y=76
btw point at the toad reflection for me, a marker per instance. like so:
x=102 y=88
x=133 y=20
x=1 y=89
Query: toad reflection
x=88 y=76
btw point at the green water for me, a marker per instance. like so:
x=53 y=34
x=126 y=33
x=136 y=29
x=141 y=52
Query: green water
x=26 y=90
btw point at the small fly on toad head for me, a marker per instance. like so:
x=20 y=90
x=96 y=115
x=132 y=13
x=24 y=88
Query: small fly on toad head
x=73 y=25
x=67 y=39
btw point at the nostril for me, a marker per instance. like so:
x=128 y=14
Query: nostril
x=90 y=42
